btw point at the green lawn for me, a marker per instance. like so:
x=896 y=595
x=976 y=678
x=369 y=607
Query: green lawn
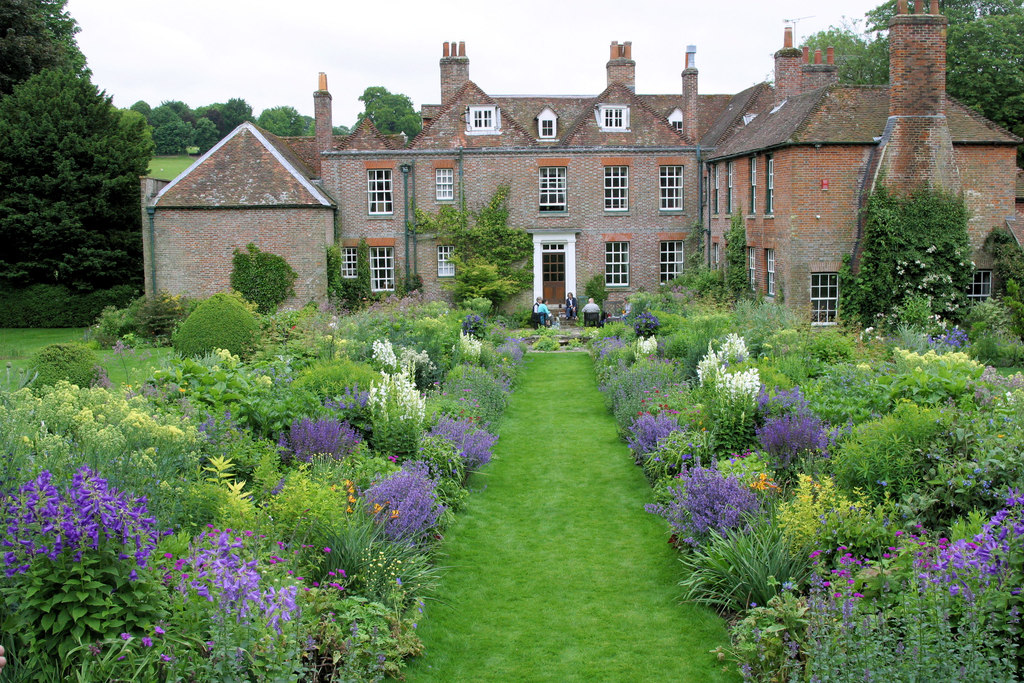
x=18 y=345
x=167 y=168
x=556 y=572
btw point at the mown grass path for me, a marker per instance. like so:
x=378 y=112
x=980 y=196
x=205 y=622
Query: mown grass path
x=556 y=572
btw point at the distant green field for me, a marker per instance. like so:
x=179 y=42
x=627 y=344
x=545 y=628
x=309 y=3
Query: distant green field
x=166 y=168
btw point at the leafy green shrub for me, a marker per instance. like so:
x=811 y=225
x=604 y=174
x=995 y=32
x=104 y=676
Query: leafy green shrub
x=157 y=316
x=263 y=278
x=113 y=323
x=221 y=322
x=546 y=344
x=329 y=379
x=830 y=346
x=72 y=361
x=595 y=289
x=691 y=343
x=480 y=392
x=58 y=306
x=890 y=454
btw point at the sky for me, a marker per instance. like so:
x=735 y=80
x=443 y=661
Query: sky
x=270 y=52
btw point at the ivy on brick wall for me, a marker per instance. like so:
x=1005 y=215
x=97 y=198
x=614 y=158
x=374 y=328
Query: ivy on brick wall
x=1007 y=258
x=492 y=259
x=349 y=293
x=914 y=246
x=263 y=278
x=736 y=279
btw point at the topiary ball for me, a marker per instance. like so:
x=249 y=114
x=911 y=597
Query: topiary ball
x=223 y=321
x=74 y=362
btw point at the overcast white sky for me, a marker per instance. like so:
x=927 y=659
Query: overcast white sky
x=270 y=51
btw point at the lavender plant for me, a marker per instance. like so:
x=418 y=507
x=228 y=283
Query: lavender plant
x=405 y=504
x=326 y=437
x=706 y=502
x=473 y=443
x=790 y=435
x=647 y=430
x=76 y=566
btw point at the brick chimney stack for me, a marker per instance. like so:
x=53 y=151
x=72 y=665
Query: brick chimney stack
x=454 y=69
x=787 y=68
x=621 y=67
x=690 y=94
x=917 y=147
x=324 y=122
x=817 y=75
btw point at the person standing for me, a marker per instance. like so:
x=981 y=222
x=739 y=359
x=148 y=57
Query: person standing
x=571 y=304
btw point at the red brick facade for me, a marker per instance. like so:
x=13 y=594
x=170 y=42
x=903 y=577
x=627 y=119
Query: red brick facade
x=617 y=183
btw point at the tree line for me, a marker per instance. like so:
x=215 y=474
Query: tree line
x=178 y=129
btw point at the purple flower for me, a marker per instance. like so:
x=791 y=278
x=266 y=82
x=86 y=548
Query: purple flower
x=147 y=641
x=474 y=444
x=704 y=502
x=320 y=437
x=606 y=345
x=647 y=430
x=405 y=503
x=786 y=436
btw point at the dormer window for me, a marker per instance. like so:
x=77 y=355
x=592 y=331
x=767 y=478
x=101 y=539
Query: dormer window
x=747 y=118
x=675 y=119
x=613 y=117
x=483 y=120
x=547 y=124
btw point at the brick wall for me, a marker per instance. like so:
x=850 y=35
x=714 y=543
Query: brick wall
x=194 y=247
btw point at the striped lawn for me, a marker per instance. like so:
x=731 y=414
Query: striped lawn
x=556 y=572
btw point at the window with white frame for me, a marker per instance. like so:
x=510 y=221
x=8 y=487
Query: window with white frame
x=616 y=264
x=752 y=268
x=824 y=298
x=714 y=254
x=350 y=262
x=552 y=188
x=753 y=184
x=769 y=197
x=444 y=184
x=480 y=120
x=714 y=200
x=379 y=199
x=675 y=119
x=547 y=124
x=616 y=188
x=981 y=286
x=671 y=259
x=445 y=267
x=769 y=280
x=382 y=269
x=670 y=188
x=613 y=117
x=730 y=173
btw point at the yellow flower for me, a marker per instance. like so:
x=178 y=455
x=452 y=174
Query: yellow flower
x=348 y=510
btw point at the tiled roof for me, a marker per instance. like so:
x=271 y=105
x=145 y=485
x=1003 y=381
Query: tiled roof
x=731 y=116
x=647 y=126
x=709 y=108
x=525 y=110
x=1020 y=183
x=249 y=167
x=366 y=137
x=448 y=128
x=846 y=114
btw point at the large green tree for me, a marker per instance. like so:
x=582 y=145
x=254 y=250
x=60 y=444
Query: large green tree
x=390 y=112
x=285 y=120
x=35 y=35
x=862 y=56
x=171 y=133
x=69 y=198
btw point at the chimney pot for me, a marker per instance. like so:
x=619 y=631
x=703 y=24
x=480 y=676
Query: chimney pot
x=901 y=6
x=817 y=56
x=627 y=49
x=614 y=53
x=445 y=52
x=918 y=6
x=322 y=81
x=807 y=54
x=830 y=55
x=934 y=7
x=462 y=48
x=787 y=38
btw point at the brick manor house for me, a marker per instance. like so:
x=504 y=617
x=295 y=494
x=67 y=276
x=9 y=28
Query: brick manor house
x=619 y=184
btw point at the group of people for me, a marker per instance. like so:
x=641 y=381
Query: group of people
x=541 y=312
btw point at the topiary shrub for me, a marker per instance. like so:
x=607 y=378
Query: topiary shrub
x=221 y=322
x=263 y=278
x=72 y=361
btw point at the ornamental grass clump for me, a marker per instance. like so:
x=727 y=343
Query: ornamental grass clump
x=704 y=502
x=76 y=566
x=327 y=437
x=405 y=504
x=474 y=444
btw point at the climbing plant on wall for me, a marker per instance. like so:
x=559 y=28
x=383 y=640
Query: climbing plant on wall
x=492 y=259
x=736 y=280
x=263 y=278
x=914 y=246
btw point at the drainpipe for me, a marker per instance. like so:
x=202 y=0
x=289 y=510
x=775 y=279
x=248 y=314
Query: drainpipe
x=462 y=191
x=405 y=168
x=412 y=203
x=151 y=210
